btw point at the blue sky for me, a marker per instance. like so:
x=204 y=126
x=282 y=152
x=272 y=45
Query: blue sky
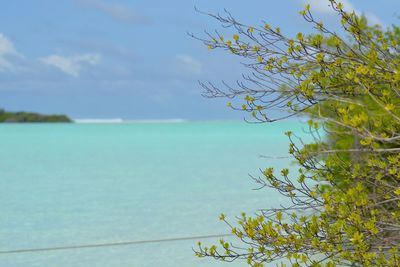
x=133 y=59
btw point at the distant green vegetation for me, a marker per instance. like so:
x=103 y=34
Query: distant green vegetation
x=6 y=116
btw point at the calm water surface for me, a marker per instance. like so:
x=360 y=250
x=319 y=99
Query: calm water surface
x=73 y=184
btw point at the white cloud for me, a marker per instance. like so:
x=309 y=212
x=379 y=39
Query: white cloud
x=324 y=7
x=116 y=11
x=71 y=65
x=7 y=52
x=6 y=46
x=189 y=64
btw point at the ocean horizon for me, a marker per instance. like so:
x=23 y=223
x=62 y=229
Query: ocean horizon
x=82 y=184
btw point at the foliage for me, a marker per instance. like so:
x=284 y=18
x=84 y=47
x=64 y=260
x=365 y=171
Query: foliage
x=346 y=198
x=6 y=116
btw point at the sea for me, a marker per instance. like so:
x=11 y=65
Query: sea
x=131 y=193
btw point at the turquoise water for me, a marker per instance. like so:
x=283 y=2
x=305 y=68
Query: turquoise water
x=73 y=184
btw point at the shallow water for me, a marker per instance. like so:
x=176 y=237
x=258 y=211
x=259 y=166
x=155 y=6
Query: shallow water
x=74 y=184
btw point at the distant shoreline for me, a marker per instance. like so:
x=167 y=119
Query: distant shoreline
x=27 y=117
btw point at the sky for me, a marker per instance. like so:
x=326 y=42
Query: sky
x=134 y=59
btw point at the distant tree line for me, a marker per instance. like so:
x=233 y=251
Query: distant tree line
x=6 y=116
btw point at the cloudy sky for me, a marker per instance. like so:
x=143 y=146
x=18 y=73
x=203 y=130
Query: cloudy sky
x=133 y=59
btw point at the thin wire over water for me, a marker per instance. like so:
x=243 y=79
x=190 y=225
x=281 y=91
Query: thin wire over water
x=114 y=244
